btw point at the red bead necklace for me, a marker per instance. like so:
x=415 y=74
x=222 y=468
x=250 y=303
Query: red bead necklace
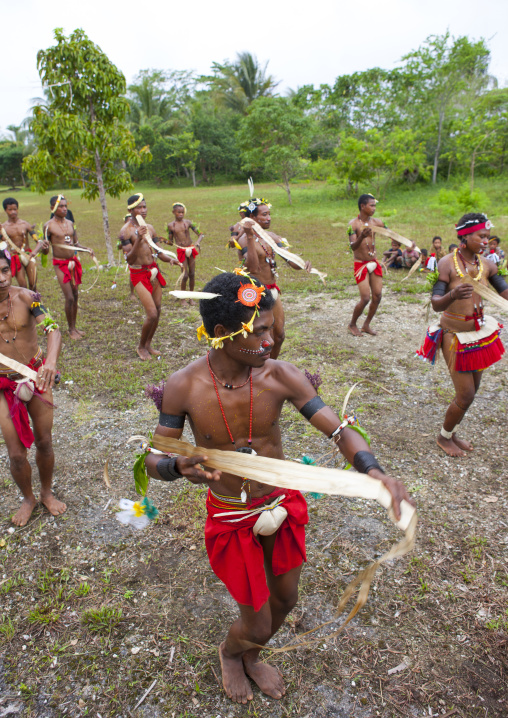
x=222 y=408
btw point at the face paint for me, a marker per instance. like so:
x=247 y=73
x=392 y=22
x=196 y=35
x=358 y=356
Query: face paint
x=263 y=347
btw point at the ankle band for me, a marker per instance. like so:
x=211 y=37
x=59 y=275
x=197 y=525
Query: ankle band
x=447 y=434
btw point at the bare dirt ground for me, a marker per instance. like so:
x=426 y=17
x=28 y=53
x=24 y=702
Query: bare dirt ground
x=93 y=614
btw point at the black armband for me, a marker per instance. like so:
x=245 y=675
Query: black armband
x=234 y=234
x=243 y=250
x=166 y=469
x=499 y=283
x=439 y=288
x=364 y=461
x=123 y=242
x=311 y=407
x=171 y=421
x=37 y=309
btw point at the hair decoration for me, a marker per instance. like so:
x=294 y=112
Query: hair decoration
x=243 y=206
x=140 y=198
x=473 y=225
x=180 y=204
x=249 y=295
x=3 y=248
x=59 y=198
x=254 y=202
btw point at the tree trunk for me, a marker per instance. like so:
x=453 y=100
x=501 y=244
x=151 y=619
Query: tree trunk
x=287 y=188
x=104 y=207
x=102 y=194
x=449 y=170
x=438 y=146
x=473 y=162
x=193 y=173
x=186 y=171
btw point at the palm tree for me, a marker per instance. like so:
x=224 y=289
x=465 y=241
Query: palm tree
x=236 y=85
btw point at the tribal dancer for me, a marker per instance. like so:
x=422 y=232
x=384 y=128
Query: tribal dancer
x=368 y=271
x=469 y=340
x=19 y=232
x=260 y=262
x=61 y=233
x=178 y=232
x=233 y=399
x=144 y=272
x=20 y=313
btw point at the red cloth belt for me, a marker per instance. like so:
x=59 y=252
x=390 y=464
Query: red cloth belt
x=360 y=276
x=236 y=555
x=144 y=275
x=70 y=275
x=180 y=253
x=15 y=264
x=475 y=356
x=17 y=408
x=273 y=286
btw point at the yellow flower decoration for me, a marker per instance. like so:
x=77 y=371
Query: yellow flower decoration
x=201 y=332
x=138 y=509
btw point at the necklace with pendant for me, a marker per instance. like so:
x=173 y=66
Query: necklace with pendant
x=244 y=449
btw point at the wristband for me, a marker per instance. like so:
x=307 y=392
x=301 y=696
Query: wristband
x=364 y=461
x=167 y=469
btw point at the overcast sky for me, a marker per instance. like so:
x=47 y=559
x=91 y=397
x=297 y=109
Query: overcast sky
x=305 y=42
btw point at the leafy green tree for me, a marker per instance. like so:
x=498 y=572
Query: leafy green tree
x=273 y=138
x=216 y=129
x=483 y=136
x=237 y=84
x=11 y=159
x=185 y=148
x=80 y=133
x=381 y=158
x=437 y=81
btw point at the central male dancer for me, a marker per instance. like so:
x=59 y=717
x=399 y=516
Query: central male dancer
x=368 y=271
x=261 y=263
x=469 y=340
x=233 y=399
x=144 y=272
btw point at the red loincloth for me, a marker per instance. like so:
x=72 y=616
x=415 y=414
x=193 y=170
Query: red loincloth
x=361 y=271
x=17 y=408
x=471 y=356
x=236 y=555
x=143 y=274
x=180 y=253
x=70 y=275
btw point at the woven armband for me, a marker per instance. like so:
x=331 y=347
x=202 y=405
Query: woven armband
x=499 y=283
x=172 y=421
x=364 y=461
x=37 y=309
x=166 y=469
x=311 y=407
x=439 y=288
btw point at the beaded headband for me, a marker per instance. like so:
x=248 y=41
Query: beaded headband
x=473 y=225
x=58 y=200
x=138 y=201
x=180 y=204
x=249 y=295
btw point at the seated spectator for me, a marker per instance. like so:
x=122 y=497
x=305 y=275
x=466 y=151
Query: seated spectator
x=437 y=248
x=393 y=257
x=494 y=243
x=409 y=257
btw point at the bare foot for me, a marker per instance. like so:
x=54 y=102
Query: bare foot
x=353 y=329
x=235 y=682
x=367 y=330
x=462 y=444
x=80 y=332
x=143 y=353
x=74 y=334
x=133 y=297
x=192 y=303
x=154 y=352
x=24 y=512
x=266 y=677
x=449 y=446
x=53 y=505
